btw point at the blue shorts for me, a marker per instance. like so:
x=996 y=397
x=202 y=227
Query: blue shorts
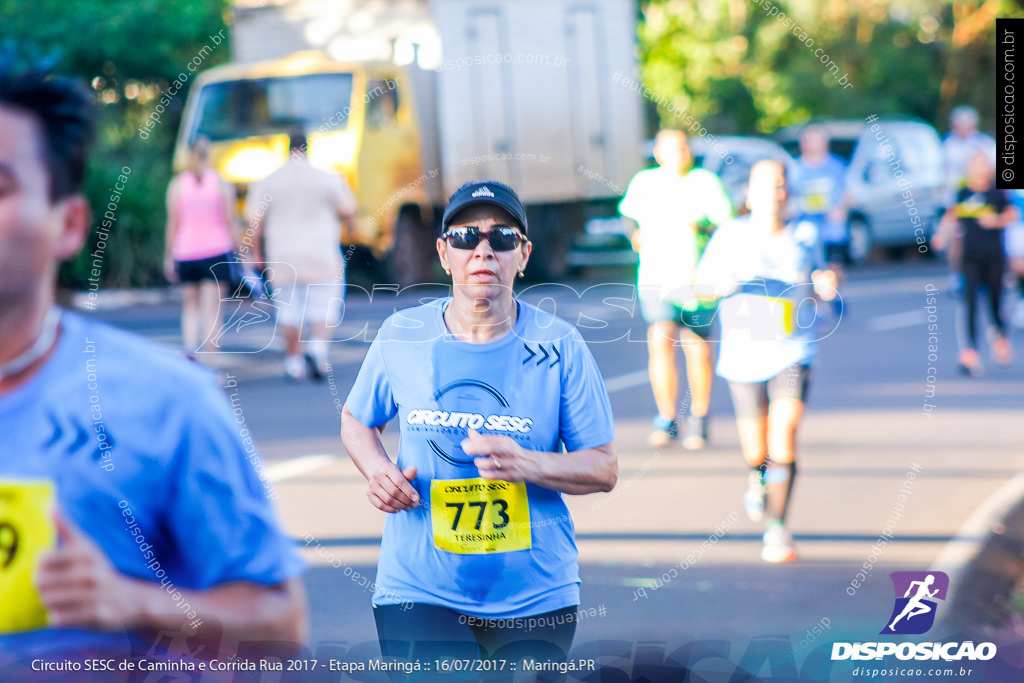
x=698 y=321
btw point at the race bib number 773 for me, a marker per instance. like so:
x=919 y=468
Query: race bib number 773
x=473 y=516
x=26 y=532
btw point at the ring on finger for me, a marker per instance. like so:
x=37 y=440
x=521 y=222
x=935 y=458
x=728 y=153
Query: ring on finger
x=497 y=463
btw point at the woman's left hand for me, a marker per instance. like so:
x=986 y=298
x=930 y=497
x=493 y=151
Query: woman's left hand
x=826 y=283
x=499 y=457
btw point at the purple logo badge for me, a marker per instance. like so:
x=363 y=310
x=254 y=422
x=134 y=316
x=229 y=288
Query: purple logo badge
x=916 y=595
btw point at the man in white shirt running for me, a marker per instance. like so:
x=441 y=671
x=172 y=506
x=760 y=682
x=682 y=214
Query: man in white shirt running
x=302 y=219
x=675 y=207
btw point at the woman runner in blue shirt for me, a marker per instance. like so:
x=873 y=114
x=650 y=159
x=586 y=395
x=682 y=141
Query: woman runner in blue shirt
x=502 y=411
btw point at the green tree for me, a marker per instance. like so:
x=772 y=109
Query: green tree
x=130 y=53
x=753 y=66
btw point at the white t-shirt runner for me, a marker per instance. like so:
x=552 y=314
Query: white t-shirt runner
x=771 y=319
x=301 y=221
x=666 y=206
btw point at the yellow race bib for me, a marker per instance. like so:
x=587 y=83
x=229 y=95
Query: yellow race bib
x=783 y=316
x=26 y=532
x=815 y=203
x=472 y=516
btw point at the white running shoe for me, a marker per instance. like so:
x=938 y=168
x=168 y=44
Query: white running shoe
x=295 y=367
x=665 y=431
x=778 y=544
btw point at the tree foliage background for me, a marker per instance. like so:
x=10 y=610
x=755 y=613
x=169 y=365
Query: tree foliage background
x=750 y=67
x=130 y=52
x=737 y=66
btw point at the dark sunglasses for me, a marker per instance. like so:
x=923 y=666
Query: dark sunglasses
x=501 y=239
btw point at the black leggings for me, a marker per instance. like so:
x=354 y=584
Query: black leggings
x=753 y=399
x=983 y=269
x=429 y=634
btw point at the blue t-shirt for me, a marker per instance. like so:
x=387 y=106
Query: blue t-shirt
x=538 y=384
x=771 y=319
x=817 y=190
x=143 y=449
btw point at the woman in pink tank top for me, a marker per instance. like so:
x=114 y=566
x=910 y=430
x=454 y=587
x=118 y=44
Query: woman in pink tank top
x=202 y=234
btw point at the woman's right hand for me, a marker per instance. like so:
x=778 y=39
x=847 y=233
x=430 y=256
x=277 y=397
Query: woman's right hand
x=389 y=488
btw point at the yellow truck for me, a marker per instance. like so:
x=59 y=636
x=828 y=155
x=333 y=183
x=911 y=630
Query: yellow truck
x=356 y=123
x=462 y=92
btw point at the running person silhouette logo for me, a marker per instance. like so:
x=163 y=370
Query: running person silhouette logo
x=239 y=313
x=914 y=612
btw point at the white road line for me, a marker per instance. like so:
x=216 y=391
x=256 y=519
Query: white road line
x=627 y=381
x=886 y=288
x=895 y=321
x=959 y=549
x=296 y=467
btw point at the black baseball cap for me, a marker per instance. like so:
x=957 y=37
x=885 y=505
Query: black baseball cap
x=485 y=192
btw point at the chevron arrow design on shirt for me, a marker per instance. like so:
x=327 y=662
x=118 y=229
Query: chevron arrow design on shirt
x=544 y=354
x=82 y=442
x=529 y=351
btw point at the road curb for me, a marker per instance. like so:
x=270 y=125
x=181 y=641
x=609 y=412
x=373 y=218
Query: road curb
x=964 y=546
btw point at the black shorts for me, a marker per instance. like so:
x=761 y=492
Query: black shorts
x=837 y=252
x=699 y=321
x=751 y=399
x=213 y=268
x=421 y=632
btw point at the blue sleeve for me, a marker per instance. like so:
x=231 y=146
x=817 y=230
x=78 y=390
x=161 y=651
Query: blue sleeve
x=220 y=520
x=585 y=413
x=371 y=400
x=817 y=249
x=839 y=171
x=1017 y=198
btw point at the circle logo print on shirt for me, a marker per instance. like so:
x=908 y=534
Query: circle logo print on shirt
x=460 y=406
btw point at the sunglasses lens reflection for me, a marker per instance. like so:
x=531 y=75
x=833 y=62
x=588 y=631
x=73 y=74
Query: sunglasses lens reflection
x=501 y=239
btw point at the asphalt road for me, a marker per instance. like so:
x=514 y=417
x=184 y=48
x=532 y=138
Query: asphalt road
x=878 y=450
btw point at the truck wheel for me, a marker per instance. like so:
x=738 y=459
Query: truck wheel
x=550 y=232
x=412 y=257
x=860 y=244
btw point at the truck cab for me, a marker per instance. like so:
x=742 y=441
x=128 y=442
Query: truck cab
x=361 y=122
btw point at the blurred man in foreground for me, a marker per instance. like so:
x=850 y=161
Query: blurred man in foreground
x=128 y=505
